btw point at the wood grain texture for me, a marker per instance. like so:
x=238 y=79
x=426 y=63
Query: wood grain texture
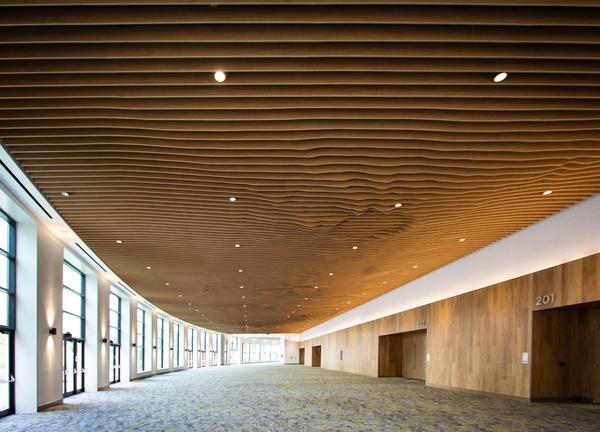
x=476 y=340
x=330 y=115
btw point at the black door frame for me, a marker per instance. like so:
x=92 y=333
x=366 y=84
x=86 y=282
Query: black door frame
x=115 y=353
x=74 y=341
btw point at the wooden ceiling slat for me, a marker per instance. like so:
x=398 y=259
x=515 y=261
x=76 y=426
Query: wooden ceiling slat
x=203 y=80
x=294 y=50
x=308 y=125
x=299 y=33
x=276 y=14
x=300 y=65
x=493 y=104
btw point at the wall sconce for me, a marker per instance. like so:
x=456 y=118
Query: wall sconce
x=52 y=330
x=105 y=340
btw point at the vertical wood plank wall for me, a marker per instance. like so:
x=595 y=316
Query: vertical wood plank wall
x=475 y=340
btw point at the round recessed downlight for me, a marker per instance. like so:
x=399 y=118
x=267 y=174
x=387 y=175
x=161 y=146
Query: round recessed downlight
x=180 y=295
x=397 y=205
x=237 y=245
x=119 y=241
x=461 y=239
x=500 y=77
x=240 y=270
x=232 y=199
x=354 y=247
x=65 y=194
x=148 y=267
x=546 y=193
x=415 y=266
x=330 y=274
x=220 y=76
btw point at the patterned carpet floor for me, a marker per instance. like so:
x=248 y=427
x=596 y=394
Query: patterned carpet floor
x=296 y=398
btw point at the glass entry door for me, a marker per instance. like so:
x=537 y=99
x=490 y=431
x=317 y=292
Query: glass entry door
x=7 y=379
x=115 y=363
x=73 y=366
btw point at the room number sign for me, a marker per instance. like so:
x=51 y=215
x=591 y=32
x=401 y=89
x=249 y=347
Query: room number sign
x=546 y=299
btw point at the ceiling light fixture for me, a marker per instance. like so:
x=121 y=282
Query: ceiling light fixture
x=305 y=298
x=354 y=247
x=546 y=193
x=232 y=199
x=240 y=270
x=461 y=239
x=167 y=283
x=237 y=245
x=220 y=76
x=119 y=241
x=330 y=274
x=500 y=77
x=241 y=286
x=316 y=287
x=65 y=194
x=148 y=267
x=415 y=266
x=397 y=205
x=180 y=295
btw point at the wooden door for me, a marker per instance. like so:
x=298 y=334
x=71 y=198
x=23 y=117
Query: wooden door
x=316 y=356
x=413 y=355
x=390 y=355
x=301 y=356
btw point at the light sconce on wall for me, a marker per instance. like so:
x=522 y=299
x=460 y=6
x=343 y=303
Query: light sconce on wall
x=52 y=330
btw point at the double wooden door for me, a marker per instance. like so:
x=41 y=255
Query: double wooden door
x=413 y=355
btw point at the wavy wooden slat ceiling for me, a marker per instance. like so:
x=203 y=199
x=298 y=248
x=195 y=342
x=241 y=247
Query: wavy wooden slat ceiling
x=330 y=115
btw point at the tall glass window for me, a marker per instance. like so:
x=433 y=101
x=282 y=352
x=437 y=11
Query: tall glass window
x=141 y=339
x=73 y=318
x=178 y=344
x=161 y=354
x=115 y=337
x=73 y=302
x=115 y=319
x=191 y=336
x=7 y=314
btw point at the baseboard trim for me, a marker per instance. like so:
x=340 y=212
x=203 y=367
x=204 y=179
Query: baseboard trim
x=50 y=405
x=477 y=392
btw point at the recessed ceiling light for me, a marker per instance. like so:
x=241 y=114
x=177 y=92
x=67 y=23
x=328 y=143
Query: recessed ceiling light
x=237 y=245
x=546 y=193
x=201 y=314
x=244 y=305
x=119 y=241
x=305 y=298
x=298 y=305
x=354 y=247
x=65 y=194
x=348 y=301
x=461 y=239
x=500 y=77
x=330 y=274
x=415 y=266
x=316 y=287
x=397 y=205
x=336 y=308
x=288 y=316
x=180 y=295
x=232 y=199
x=384 y=282
x=243 y=297
x=148 y=267
x=167 y=283
x=364 y=293
x=241 y=286
x=220 y=76
x=189 y=304
x=293 y=311
x=197 y=310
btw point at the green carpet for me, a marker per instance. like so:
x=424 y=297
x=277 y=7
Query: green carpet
x=296 y=398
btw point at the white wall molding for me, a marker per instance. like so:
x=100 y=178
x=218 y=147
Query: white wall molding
x=568 y=235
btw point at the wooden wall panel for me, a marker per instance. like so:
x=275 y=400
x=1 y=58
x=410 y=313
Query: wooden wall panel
x=475 y=340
